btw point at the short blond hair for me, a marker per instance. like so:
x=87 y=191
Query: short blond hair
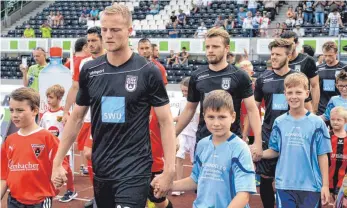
x=296 y=79
x=246 y=62
x=341 y=111
x=119 y=9
x=282 y=43
x=56 y=90
x=329 y=45
x=218 y=32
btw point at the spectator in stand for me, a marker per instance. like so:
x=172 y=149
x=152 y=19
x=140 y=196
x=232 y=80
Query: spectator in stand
x=257 y=20
x=252 y=6
x=172 y=58
x=173 y=18
x=278 y=30
x=46 y=30
x=308 y=50
x=197 y=5
x=29 y=32
x=248 y=25
x=231 y=58
x=299 y=30
x=319 y=6
x=335 y=20
x=284 y=27
x=320 y=59
x=299 y=17
x=265 y=24
x=94 y=14
x=59 y=19
x=308 y=11
x=290 y=22
x=182 y=18
x=270 y=6
x=219 y=21
x=229 y=23
x=82 y=18
x=241 y=15
x=183 y=56
x=173 y=33
x=154 y=8
x=335 y=5
x=51 y=18
x=85 y=11
x=290 y=12
x=240 y=3
x=201 y=31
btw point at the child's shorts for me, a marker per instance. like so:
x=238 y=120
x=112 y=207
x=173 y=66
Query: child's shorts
x=187 y=144
x=83 y=135
x=300 y=199
x=13 y=203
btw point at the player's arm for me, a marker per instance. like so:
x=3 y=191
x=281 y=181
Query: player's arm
x=3 y=188
x=315 y=92
x=270 y=154
x=324 y=169
x=253 y=112
x=186 y=184
x=240 y=200
x=186 y=116
x=71 y=97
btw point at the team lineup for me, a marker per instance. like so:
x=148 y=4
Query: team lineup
x=134 y=147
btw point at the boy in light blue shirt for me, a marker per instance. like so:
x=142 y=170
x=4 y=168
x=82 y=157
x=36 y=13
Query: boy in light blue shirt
x=301 y=142
x=223 y=171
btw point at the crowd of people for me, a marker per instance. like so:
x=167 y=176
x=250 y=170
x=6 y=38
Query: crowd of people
x=123 y=124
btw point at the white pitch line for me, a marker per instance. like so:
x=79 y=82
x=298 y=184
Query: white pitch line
x=78 y=199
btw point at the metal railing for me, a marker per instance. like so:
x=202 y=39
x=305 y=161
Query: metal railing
x=8 y=7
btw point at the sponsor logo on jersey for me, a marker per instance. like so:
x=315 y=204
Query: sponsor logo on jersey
x=37 y=148
x=268 y=79
x=94 y=73
x=226 y=83
x=338 y=156
x=113 y=109
x=22 y=167
x=203 y=76
x=297 y=68
x=131 y=83
x=54 y=130
x=340 y=141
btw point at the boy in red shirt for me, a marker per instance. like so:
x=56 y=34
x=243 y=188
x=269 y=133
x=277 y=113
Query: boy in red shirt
x=27 y=155
x=52 y=121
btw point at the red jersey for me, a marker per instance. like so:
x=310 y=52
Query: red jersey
x=338 y=162
x=26 y=165
x=76 y=70
x=154 y=131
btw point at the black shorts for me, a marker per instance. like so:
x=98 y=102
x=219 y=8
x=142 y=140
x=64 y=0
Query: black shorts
x=266 y=167
x=130 y=192
x=151 y=196
x=13 y=203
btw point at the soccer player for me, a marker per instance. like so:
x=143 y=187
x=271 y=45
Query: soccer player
x=145 y=50
x=187 y=138
x=304 y=63
x=52 y=121
x=327 y=74
x=338 y=162
x=223 y=170
x=27 y=155
x=120 y=88
x=221 y=75
x=301 y=142
x=338 y=100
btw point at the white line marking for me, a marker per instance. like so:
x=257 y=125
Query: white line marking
x=78 y=199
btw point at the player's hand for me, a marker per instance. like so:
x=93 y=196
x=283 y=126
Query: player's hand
x=162 y=184
x=257 y=152
x=332 y=198
x=23 y=69
x=245 y=138
x=58 y=177
x=325 y=195
x=65 y=118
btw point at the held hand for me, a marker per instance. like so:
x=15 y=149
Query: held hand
x=257 y=152
x=58 y=177
x=325 y=195
x=162 y=184
x=65 y=118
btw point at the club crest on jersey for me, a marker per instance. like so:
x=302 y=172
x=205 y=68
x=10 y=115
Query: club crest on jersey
x=226 y=83
x=297 y=68
x=37 y=148
x=131 y=83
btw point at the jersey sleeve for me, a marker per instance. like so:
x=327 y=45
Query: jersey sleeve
x=4 y=161
x=311 y=68
x=243 y=170
x=52 y=144
x=197 y=164
x=67 y=64
x=258 y=91
x=76 y=70
x=322 y=138
x=43 y=121
x=245 y=86
x=275 y=137
x=330 y=106
x=83 y=98
x=163 y=73
x=193 y=93
x=157 y=92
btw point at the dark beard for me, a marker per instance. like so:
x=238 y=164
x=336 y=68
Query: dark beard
x=215 y=61
x=282 y=64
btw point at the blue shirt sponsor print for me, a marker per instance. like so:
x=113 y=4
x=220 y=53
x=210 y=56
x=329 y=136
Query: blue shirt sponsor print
x=279 y=102
x=113 y=109
x=329 y=85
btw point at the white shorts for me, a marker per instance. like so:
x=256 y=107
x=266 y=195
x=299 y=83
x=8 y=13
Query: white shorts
x=187 y=144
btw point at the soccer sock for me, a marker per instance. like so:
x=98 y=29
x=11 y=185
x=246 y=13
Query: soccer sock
x=69 y=184
x=266 y=192
x=90 y=170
